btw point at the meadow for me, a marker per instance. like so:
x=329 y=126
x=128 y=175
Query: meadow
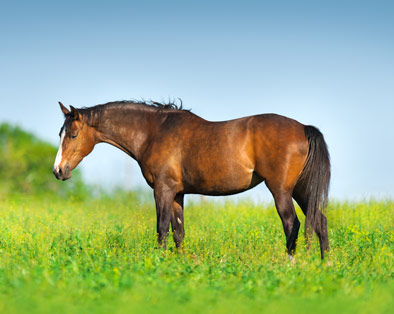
x=99 y=255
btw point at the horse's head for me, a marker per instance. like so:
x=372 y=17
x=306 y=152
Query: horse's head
x=77 y=140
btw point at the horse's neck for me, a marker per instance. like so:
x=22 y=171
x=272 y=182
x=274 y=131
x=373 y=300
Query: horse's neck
x=128 y=129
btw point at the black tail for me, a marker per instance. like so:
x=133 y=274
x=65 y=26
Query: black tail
x=315 y=178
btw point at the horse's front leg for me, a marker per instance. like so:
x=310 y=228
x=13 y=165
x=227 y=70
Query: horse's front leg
x=177 y=222
x=164 y=198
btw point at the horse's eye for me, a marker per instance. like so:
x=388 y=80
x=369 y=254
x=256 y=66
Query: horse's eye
x=74 y=136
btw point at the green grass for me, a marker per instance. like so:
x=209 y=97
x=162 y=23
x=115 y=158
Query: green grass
x=100 y=256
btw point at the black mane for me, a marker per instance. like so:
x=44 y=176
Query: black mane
x=170 y=105
x=93 y=113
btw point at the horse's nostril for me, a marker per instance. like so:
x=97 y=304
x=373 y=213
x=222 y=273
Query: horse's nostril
x=60 y=171
x=54 y=172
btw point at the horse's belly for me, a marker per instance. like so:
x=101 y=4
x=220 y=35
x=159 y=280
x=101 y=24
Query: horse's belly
x=225 y=182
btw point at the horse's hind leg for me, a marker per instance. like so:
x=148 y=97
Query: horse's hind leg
x=320 y=227
x=321 y=231
x=177 y=221
x=291 y=225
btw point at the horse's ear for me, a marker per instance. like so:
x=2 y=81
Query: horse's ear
x=64 y=109
x=75 y=113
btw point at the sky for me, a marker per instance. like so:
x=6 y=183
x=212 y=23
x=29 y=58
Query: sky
x=325 y=63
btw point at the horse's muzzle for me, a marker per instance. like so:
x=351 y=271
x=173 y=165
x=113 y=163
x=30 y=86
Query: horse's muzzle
x=62 y=173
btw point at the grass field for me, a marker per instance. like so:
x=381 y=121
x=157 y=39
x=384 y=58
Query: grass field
x=100 y=256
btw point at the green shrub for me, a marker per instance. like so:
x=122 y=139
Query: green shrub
x=26 y=166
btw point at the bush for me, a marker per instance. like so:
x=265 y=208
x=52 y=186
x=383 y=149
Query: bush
x=26 y=166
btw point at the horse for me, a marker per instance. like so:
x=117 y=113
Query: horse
x=181 y=153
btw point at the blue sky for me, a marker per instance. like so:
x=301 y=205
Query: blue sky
x=330 y=64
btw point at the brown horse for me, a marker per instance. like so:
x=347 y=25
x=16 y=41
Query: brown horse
x=180 y=153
